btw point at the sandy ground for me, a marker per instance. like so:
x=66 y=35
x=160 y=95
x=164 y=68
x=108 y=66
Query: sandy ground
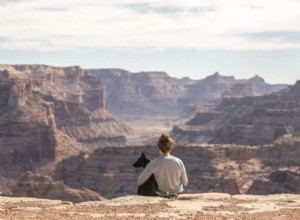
x=212 y=206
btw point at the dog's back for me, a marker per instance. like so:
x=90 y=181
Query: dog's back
x=150 y=187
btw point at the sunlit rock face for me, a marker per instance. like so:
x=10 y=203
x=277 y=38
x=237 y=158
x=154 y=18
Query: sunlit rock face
x=73 y=100
x=27 y=130
x=50 y=113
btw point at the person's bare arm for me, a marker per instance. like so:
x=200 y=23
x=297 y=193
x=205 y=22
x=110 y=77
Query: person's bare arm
x=147 y=172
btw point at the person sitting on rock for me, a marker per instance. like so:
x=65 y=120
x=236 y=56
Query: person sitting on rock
x=169 y=171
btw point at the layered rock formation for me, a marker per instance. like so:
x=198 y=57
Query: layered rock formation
x=249 y=120
x=27 y=130
x=210 y=89
x=211 y=168
x=39 y=186
x=150 y=93
x=28 y=133
x=242 y=89
x=276 y=183
x=261 y=87
x=75 y=102
x=140 y=93
x=49 y=113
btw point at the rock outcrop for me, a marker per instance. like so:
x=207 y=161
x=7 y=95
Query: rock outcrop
x=261 y=87
x=28 y=133
x=27 y=130
x=242 y=89
x=251 y=120
x=276 y=183
x=48 y=114
x=210 y=89
x=210 y=168
x=39 y=186
x=75 y=102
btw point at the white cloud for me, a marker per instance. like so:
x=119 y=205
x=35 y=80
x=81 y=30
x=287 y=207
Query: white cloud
x=74 y=24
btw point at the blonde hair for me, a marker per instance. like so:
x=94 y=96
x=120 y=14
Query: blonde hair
x=165 y=143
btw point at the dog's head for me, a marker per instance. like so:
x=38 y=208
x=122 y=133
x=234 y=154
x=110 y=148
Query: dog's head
x=142 y=161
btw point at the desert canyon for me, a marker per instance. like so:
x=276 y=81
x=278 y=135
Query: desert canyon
x=69 y=136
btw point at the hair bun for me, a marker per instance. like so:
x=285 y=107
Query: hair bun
x=165 y=143
x=164 y=137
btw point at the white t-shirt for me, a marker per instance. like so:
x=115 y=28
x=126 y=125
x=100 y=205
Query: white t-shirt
x=169 y=172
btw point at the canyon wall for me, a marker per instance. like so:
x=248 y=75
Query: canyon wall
x=156 y=93
x=251 y=120
x=27 y=130
x=210 y=168
x=144 y=93
x=48 y=114
x=40 y=186
x=74 y=100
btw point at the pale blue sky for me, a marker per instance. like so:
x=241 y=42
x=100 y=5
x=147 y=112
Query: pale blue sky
x=184 y=38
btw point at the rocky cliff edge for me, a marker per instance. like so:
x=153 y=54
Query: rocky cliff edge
x=206 y=206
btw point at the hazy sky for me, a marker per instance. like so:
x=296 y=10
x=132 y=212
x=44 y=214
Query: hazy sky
x=192 y=38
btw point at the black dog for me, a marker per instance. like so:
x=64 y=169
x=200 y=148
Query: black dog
x=150 y=187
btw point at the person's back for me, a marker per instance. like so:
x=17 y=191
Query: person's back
x=169 y=171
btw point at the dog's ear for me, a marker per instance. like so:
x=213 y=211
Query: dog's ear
x=143 y=155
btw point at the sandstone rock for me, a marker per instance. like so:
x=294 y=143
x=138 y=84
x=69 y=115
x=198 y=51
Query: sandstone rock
x=39 y=186
x=251 y=120
x=204 y=117
x=280 y=130
x=75 y=102
x=210 y=168
x=277 y=182
x=210 y=89
x=261 y=87
x=156 y=93
x=48 y=114
x=27 y=130
x=94 y=129
x=144 y=93
x=242 y=89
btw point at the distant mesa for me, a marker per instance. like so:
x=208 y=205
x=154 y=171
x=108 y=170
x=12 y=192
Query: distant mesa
x=217 y=77
x=156 y=93
x=257 y=80
x=249 y=120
